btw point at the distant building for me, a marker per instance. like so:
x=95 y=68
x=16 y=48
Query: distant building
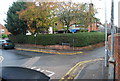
x=3 y=30
x=93 y=27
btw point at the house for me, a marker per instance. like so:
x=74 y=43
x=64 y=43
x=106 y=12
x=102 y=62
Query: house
x=93 y=27
x=3 y=30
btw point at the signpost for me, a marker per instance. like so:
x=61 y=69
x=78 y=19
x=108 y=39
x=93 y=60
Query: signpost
x=35 y=37
x=73 y=31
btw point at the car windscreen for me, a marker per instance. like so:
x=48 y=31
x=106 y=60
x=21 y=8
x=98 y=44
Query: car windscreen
x=2 y=41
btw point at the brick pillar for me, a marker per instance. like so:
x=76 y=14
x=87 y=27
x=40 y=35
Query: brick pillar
x=116 y=54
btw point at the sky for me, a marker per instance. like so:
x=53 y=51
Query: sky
x=99 y=5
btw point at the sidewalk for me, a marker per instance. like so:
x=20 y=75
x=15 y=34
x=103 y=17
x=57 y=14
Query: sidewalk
x=95 y=71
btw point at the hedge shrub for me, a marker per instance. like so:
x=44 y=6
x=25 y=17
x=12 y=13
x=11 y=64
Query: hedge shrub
x=80 y=39
x=3 y=36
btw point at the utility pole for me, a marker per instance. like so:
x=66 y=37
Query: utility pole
x=112 y=33
x=111 y=59
x=106 y=39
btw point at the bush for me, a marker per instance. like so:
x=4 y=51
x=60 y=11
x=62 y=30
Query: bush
x=4 y=36
x=93 y=31
x=83 y=30
x=80 y=39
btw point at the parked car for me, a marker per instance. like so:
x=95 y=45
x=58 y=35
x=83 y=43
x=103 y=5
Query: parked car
x=6 y=44
x=14 y=73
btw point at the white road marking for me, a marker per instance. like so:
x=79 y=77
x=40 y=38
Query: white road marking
x=38 y=69
x=51 y=73
x=47 y=72
x=33 y=67
x=42 y=70
x=1 y=59
x=31 y=61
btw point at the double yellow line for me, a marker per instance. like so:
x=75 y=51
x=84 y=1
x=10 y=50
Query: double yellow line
x=49 y=52
x=69 y=75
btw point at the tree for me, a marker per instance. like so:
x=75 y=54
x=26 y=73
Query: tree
x=66 y=13
x=78 y=13
x=88 y=14
x=13 y=23
x=38 y=17
x=4 y=36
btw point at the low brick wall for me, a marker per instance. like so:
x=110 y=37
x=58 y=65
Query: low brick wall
x=116 y=54
x=60 y=47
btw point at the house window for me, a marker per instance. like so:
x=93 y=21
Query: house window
x=2 y=31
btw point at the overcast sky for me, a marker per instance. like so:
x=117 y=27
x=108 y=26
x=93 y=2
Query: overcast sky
x=99 y=4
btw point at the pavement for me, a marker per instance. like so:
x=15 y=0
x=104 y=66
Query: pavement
x=93 y=71
x=89 y=70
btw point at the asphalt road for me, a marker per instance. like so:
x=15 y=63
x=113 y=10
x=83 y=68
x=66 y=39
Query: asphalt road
x=53 y=65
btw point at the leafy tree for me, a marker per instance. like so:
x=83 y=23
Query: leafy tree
x=4 y=36
x=86 y=14
x=38 y=18
x=65 y=12
x=13 y=23
x=79 y=13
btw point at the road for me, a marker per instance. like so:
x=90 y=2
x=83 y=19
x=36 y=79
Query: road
x=53 y=65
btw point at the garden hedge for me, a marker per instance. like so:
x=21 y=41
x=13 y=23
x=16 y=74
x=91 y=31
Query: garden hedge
x=80 y=39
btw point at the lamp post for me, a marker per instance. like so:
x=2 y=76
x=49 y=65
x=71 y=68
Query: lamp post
x=106 y=39
x=35 y=38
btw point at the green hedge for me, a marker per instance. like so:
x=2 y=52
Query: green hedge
x=80 y=39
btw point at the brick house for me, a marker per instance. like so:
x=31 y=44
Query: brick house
x=3 y=30
x=94 y=27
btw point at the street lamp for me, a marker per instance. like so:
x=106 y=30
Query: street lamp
x=106 y=39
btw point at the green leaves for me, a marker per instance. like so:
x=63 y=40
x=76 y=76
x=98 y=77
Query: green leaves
x=80 y=39
x=13 y=23
x=23 y=16
x=4 y=36
x=38 y=17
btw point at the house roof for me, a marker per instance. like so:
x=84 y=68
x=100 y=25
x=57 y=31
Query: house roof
x=1 y=26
